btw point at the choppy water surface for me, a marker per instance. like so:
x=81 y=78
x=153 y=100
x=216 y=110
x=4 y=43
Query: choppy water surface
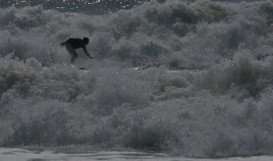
x=193 y=79
x=27 y=155
x=89 y=6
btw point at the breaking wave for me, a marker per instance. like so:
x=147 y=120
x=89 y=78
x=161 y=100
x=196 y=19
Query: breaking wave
x=194 y=79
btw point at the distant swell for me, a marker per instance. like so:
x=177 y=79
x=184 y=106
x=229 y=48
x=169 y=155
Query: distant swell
x=189 y=79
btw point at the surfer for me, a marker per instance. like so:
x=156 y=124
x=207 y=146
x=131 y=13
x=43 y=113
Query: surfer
x=72 y=44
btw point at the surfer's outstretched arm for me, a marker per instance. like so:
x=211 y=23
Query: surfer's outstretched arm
x=85 y=51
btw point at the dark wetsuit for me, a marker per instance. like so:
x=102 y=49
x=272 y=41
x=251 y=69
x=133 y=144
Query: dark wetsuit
x=75 y=43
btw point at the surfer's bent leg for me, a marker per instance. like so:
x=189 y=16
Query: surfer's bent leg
x=74 y=57
x=72 y=52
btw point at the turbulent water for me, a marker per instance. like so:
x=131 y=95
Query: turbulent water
x=90 y=6
x=193 y=79
x=87 y=6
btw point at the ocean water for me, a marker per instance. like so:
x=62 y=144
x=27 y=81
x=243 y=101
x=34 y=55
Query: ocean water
x=7 y=154
x=11 y=154
x=89 y=6
x=184 y=78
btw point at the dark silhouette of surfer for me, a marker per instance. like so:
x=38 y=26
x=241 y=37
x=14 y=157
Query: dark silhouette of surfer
x=72 y=44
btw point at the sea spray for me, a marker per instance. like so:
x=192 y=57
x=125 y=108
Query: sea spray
x=193 y=79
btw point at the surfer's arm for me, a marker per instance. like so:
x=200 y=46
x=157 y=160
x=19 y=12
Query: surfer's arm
x=85 y=51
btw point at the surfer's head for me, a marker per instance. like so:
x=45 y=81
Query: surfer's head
x=85 y=40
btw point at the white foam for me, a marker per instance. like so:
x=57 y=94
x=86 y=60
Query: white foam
x=216 y=103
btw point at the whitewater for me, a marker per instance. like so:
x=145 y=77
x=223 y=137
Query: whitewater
x=177 y=78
